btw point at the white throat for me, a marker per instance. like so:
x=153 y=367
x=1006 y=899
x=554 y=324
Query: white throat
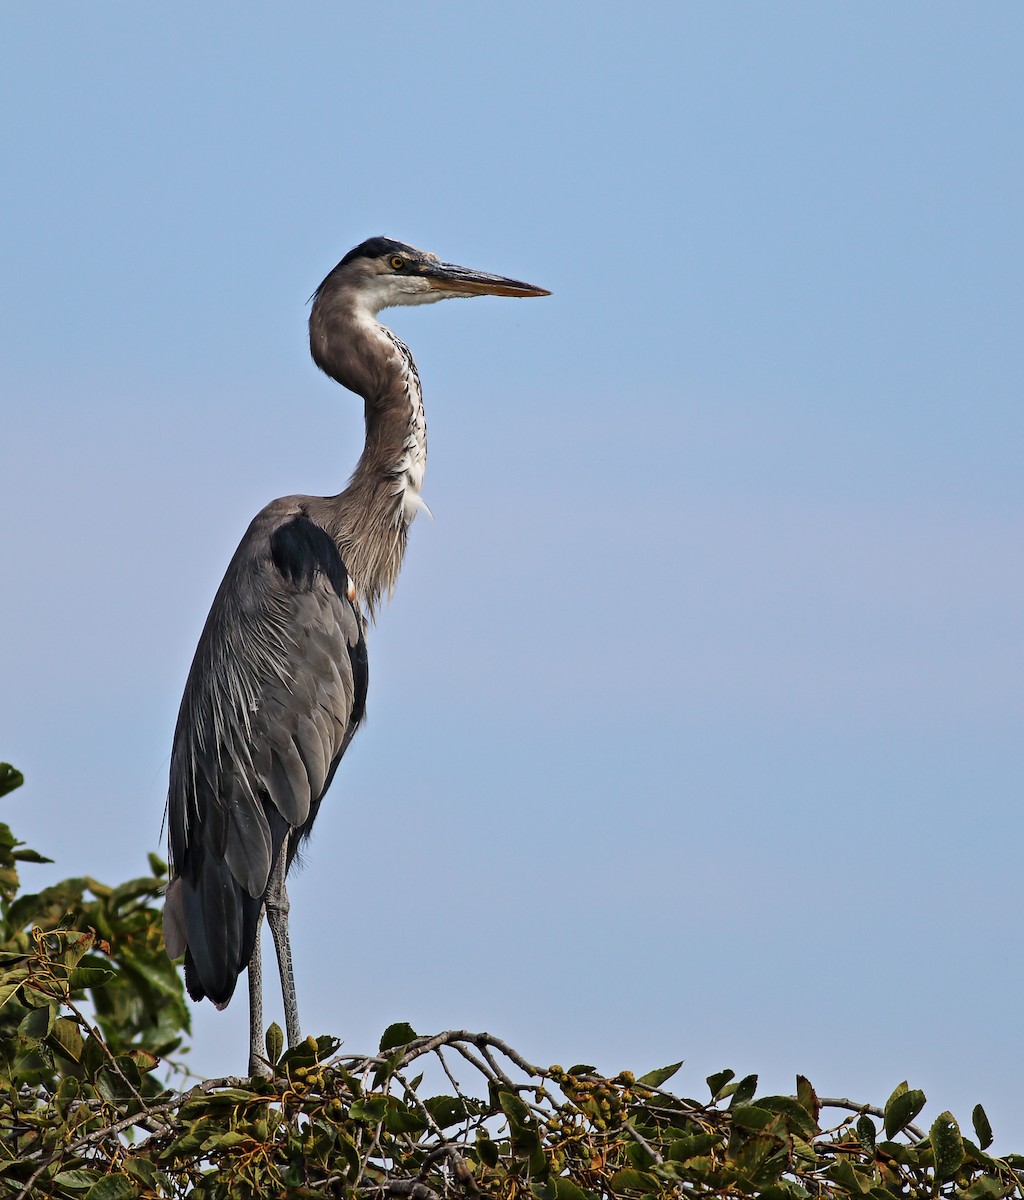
x=411 y=466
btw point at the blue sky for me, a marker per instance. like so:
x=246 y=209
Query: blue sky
x=695 y=723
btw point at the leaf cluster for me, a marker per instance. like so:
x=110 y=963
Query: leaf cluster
x=90 y=1008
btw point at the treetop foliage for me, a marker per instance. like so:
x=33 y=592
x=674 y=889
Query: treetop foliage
x=95 y=1106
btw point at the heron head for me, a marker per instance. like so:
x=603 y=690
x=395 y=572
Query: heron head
x=382 y=273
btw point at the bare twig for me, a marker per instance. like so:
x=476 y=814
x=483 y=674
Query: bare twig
x=628 y=1126
x=870 y=1109
x=414 y=1189
x=489 y=1059
x=451 y=1078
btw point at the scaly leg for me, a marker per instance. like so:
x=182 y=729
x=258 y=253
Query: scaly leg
x=277 y=918
x=257 y=1048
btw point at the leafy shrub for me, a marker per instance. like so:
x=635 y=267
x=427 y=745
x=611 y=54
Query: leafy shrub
x=91 y=1011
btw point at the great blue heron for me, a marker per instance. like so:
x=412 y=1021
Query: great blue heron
x=278 y=684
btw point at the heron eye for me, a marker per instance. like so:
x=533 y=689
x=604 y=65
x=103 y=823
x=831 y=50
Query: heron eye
x=397 y=262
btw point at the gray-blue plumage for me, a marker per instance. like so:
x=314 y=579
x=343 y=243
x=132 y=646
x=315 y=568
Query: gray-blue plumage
x=276 y=691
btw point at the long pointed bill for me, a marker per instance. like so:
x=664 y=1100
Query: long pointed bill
x=461 y=281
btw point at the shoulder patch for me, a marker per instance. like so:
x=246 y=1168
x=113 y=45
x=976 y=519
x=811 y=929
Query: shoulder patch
x=301 y=550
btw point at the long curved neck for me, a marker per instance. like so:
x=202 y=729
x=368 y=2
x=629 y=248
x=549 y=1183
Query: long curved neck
x=370 y=519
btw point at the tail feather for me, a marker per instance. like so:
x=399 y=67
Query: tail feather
x=221 y=920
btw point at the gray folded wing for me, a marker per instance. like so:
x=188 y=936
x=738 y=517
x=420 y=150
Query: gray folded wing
x=275 y=693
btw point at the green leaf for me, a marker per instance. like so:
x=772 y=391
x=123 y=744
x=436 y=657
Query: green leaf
x=985 y=1188
x=807 y=1097
x=523 y=1133
x=383 y=1071
x=93 y=1056
x=639 y=1157
x=38 y=1022
x=486 y=1150
x=67 y=1037
x=718 y=1081
x=803 y=1150
x=446 y=1110
x=79 y=1179
x=748 y=1116
x=347 y=1148
x=226 y=1140
x=274 y=1043
x=369 y=1108
x=515 y=1109
x=128 y=1068
x=90 y=977
x=565 y=1189
x=947 y=1146
x=866 y=1134
x=33 y=905
x=12 y=982
x=142 y=1169
x=160 y=974
x=401 y=1033
x=143 y=1060
x=697 y=1144
x=656 y=1078
x=798 y=1119
x=783 y=1191
x=901 y=1108
x=744 y=1092
x=849 y=1177
x=981 y=1127
x=30 y=856
x=308 y=1052
x=754 y=1154
x=10 y=778
x=629 y=1180
x=113 y=1187
x=400 y=1118
x=157 y=865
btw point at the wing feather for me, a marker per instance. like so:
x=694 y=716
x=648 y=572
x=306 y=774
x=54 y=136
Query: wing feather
x=275 y=693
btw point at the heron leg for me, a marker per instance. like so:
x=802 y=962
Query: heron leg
x=257 y=1048
x=277 y=918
